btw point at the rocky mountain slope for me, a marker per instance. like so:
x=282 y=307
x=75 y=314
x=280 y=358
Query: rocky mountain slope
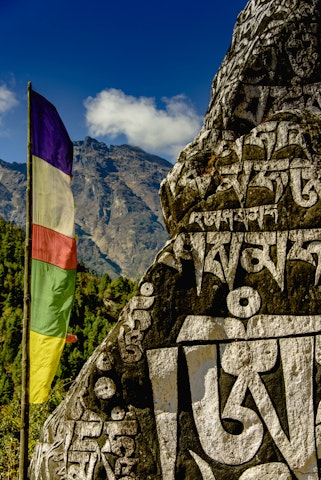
x=119 y=220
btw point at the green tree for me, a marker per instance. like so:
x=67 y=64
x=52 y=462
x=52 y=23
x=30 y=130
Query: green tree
x=97 y=304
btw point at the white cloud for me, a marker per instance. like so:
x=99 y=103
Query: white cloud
x=7 y=99
x=112 y=113
x=7 y=102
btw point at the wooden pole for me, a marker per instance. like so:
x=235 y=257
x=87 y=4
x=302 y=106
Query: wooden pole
x=24 y=425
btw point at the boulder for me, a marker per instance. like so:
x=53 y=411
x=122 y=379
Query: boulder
x=212 y=371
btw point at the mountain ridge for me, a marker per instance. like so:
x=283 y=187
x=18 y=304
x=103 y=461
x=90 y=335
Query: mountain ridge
x=118 y=217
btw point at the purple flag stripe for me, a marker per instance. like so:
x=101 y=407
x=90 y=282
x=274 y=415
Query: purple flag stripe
x=50 y=140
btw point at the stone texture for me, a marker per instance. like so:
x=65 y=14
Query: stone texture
x=213 y=370
x=119 y=219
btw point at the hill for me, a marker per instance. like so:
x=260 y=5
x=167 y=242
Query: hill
x=119 y=220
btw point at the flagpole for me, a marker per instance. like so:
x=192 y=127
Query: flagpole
x=24 y=425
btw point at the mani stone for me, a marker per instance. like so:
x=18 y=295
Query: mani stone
x=213 y=370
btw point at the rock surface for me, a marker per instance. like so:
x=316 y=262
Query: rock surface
x=213 y=371
x=119 y=219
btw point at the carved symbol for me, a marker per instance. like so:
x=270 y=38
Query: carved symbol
x=105 y=388
x=244 y=302
x=163 y=374
x=221 y=446
x=205 y=469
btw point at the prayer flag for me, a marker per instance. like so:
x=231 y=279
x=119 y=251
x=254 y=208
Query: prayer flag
x=54 y=256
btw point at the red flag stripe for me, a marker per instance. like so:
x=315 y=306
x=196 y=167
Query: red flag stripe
x=54 y=248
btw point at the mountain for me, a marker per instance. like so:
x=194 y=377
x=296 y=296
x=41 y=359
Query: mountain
x=119 y=219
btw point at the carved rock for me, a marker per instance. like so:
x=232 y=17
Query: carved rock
x=212 y=372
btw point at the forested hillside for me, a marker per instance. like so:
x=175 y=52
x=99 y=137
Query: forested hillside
x=98 y=301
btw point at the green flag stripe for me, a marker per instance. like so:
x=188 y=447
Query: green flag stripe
x=52 y=294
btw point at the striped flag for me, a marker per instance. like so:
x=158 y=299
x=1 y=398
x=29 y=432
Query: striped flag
x=54 y=257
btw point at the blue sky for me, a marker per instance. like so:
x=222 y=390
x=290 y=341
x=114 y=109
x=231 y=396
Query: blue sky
x=136 y=72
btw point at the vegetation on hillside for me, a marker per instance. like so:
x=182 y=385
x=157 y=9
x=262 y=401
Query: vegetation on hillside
x=98 y=302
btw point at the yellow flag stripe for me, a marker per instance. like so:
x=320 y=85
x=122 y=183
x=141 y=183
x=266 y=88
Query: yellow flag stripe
x=45 y=352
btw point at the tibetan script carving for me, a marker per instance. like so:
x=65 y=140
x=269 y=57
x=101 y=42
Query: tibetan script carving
x=213 y=370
